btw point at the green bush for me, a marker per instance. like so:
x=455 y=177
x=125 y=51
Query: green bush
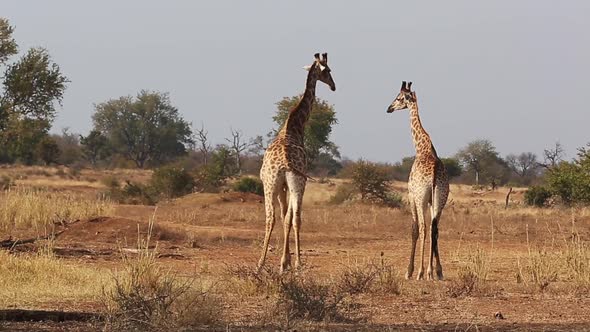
x=249 y=185
x=372 y=182
x=133 y=193
x=345 y=192
x=172 y=182
x=570 y=182
x=537 y=196
x=212 y=176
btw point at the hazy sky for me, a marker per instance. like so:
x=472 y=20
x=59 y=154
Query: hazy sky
x=514 y=72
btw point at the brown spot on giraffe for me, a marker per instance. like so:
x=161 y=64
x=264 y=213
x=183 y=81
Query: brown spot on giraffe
x=284 y=166
x=428 y=185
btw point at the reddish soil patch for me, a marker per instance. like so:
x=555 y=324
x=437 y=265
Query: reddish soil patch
x=107 y=230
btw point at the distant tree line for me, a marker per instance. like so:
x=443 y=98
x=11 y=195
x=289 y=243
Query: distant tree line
x=147 y=130
x=30 y=88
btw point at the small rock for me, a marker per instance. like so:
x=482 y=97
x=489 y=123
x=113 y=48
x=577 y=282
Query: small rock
x=498 y=315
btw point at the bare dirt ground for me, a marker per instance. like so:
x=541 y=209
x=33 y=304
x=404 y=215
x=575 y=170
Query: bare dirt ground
x=206 y=233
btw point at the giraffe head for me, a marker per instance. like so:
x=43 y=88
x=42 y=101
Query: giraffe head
x=405 y=99
x=320 y=70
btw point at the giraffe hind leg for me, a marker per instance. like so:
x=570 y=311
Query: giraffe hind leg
x=434 y=251
x=296 y=185
x=436 y=215
x=287 y=223
x=270 y=193
x=439 y=269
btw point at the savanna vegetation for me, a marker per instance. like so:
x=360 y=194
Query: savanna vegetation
x=144 y=223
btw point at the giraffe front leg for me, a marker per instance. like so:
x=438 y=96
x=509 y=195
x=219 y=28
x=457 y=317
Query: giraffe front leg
x=415 y=233
x=422 y=236
x=422 y=231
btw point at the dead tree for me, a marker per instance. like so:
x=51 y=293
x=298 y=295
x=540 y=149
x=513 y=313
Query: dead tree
x=508 y=198
x=552 y=156
x=204 y=145
x=237 y=146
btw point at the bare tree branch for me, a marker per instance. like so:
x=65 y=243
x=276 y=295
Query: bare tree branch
x=237 y=146
x=552 y=156
x=204 y=145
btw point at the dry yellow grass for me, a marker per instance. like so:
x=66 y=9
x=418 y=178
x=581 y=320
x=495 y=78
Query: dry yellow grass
x=40 y=279
x=520 y=253
x=26 y=209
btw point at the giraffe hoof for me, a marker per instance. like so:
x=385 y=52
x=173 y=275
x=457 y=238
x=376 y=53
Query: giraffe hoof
x=420 y=276
x=285 y=266
x=439 y=275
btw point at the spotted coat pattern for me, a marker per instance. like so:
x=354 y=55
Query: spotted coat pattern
x=284 y=166
x=428 y=186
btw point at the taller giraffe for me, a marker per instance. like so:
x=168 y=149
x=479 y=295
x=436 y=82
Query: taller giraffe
x=428 y=185
x=285 y=164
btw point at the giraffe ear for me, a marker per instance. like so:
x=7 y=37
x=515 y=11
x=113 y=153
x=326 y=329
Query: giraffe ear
x=308 y=67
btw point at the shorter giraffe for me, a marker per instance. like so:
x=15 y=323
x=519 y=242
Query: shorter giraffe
x=285 y=163
x=428 y=185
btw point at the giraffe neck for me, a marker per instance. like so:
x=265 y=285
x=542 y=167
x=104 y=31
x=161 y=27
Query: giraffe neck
x=298 y=116
x=421 y=139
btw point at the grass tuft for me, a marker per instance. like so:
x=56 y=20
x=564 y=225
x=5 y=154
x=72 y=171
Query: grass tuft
x=26 y=208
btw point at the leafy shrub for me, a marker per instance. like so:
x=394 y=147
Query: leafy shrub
x=393 y=199
x=345 y=192
x=172 y=182
x=249 y=185
x=372 y=182
x=133 y=193
x=209 y=178
x=48 y=150
x=570 y=182
x=537 y=196
x=212 y=176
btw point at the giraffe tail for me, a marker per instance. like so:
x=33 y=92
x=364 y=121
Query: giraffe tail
x=300 y=173
x=434 y=181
